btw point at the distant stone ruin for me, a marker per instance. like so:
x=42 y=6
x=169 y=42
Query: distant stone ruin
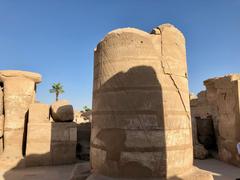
x=141 y=124
x=18 y=94
x=29 y=134
x=216 y=114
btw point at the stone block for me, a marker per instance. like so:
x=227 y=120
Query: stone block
x=39 y=113
x=19 y=93
x=62 y=111
x=39 y=134
x=63 y=153
x=13 y=142
x=1 y=100
x=51 y=144
x=64 y=132
x=64 y=143
x=38 y=150
x=1 y=145
x=199 y=151
x=1 y=125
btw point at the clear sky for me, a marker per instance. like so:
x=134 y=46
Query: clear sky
x=57 y=37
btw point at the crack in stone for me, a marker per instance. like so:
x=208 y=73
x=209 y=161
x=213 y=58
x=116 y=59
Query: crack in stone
x=170 y=74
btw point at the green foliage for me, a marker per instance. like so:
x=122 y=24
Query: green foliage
x=85 y=108
x=57 y=88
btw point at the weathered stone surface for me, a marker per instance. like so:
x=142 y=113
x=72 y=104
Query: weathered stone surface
x=1 y=120
x=62 y=111
x=1 y=145
x=222 y=104
x=80 y=171
x=38 y=113
x=64 y=143
x=51 y=143
x=38 y=150
x=1 y=100
x=1 y=132
x=6 y=74
x=19 y=93
x=199 y=151
x=141 y=125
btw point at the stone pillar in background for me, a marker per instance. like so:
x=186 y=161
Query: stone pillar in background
x=141 y=125
x=227 y=107
x=1 y=100
x=19 y=93
x=1 y=120
x=39 y=128
x=1 y=112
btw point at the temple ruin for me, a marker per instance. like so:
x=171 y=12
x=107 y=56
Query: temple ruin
x=141 y=123
x=216 y=113
x=30 y=135
x=18 y=93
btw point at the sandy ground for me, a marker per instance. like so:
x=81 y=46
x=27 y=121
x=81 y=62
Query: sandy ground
x=39 y=173
x=220 y=171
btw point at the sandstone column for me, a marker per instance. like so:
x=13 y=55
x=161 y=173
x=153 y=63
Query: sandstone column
x=141 y=125
x=19 y=93
x=1 y=119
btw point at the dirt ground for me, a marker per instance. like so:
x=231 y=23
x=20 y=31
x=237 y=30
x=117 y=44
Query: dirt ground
x=38 y=173
x=220 y=171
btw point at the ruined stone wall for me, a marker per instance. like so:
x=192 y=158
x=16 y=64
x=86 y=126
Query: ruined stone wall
x=228 y=116
x=141 y=124
x=199 y=108
x=19 y=93
x=50 y=143
x=222 y=104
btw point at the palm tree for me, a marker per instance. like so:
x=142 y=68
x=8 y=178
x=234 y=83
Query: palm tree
x=57 y=88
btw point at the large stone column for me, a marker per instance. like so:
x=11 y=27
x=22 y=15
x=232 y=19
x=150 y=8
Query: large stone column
x=19 y=93
x=141 y=125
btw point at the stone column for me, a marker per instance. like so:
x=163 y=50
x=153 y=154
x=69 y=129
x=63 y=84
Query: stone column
x=1 y=120
x=19 y=93
x=141 y=124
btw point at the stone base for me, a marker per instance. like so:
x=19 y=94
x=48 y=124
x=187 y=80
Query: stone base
x=194 y=174
x=51 y=144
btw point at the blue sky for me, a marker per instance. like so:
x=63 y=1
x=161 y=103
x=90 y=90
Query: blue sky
x=56 y=37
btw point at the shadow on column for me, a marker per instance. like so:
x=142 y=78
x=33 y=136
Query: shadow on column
x=128 y=117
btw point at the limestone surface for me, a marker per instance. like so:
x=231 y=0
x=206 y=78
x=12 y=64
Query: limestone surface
x=141 y=124
x=51 y=143
x=39 y=112
x=1 y=125
x=19 y=93
x=1 y=100
x=62 y=111
x=6 y=74
x=220 y=101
